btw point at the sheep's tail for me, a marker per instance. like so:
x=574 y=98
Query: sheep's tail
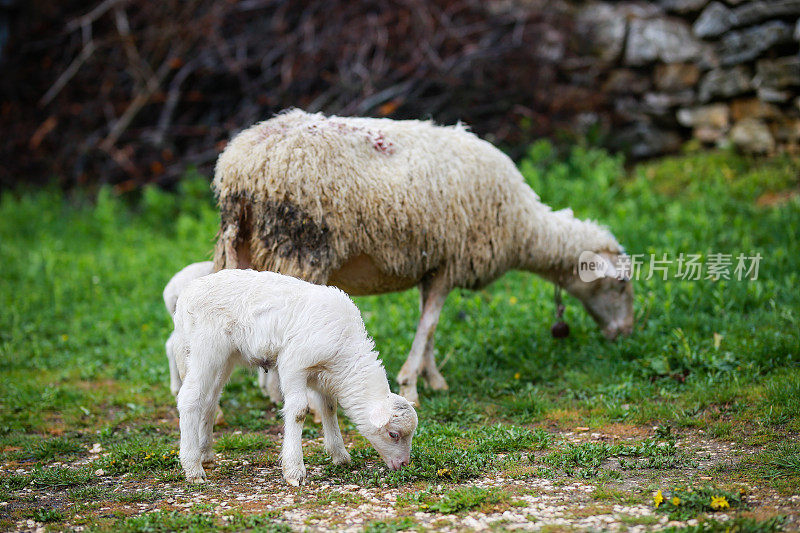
x=225 y=255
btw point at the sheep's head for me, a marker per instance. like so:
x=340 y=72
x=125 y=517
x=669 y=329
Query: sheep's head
x=604 y=287
x=391 y=427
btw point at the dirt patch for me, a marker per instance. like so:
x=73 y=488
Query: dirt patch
x=251 y=484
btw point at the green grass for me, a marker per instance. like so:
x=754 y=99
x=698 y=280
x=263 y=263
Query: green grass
x=83 y=327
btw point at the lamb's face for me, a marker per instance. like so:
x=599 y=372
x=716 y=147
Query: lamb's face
x=391 y=427
x=608 y=299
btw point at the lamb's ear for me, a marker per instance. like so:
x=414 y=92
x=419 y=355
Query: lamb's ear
x=380 y=415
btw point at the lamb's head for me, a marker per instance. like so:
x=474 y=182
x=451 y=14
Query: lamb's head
x=604 y=287
x=391 y=427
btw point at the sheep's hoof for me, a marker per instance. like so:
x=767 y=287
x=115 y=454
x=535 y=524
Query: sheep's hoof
x=410 y=394
x=436 y=381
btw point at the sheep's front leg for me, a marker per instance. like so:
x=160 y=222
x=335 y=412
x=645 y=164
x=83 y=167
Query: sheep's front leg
x=430 y=372
x=334 y=444
x=436 y=290
x=295 y=408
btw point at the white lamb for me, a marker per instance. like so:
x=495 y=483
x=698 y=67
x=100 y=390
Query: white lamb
x=267 y=381
x=313 y=335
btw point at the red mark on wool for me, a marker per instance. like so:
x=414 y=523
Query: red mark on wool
x=381 y=143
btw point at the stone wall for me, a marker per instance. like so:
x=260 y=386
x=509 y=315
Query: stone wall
x=673 y=69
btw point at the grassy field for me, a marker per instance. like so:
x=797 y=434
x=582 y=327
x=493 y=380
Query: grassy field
x=88 y=429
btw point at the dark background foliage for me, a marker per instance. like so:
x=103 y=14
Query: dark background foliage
x=130 y=92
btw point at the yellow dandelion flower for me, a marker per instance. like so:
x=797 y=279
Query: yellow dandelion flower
x=719 y=502
x=517 y=375
x=658 y=498
x=676 y=501
x=65 y=337
x=443 y=472
x=512 y=300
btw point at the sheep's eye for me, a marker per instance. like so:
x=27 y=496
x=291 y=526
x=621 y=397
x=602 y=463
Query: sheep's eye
x=394 y=435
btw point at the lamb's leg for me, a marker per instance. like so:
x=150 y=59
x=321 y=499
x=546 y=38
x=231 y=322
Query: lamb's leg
x=207 y=369
x=315 y=405
x=211 y=410
x=430 y=372
x=437 y=290
x=190 y=411
x=174 y=375
x=269 y=381
x=334 y=444
x=295 y=407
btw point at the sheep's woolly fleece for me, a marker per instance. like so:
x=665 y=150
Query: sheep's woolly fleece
x=303 y=193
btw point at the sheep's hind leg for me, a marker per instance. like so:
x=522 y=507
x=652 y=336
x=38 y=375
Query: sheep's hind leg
x=190 y=411
x=295 y=408
x=211 y=411
x=436 y=292
x=174 y=375
x=334 y=444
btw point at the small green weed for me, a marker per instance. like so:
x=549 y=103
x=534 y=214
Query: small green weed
x=738 y=524
x=404 y=523
x=160 y=521
x=497 y=439
x=688 y=502
x=242 y=443
x=50 y=477
x=140 y=496
x=458 y=500
x=48 y=514
x=139 y=455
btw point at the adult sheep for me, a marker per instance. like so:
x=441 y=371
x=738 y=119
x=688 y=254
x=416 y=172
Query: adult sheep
x=378 y=205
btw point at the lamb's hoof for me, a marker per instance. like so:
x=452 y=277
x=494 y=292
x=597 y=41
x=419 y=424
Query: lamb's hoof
x=196 y=478
x=317 y=417
x=219 y=418
x=295 y=477
x=295 y=482
x=341 y=458
x=410 y=394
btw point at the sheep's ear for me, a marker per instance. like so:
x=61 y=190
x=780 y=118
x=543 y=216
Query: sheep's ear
x=380 y=415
